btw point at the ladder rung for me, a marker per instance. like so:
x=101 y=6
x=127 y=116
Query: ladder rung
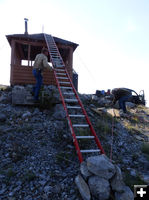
x=61 y=82
x=59 y=65
x=73 y=107
x=85 y=137
x=71 y=100
x=61 y=70
x=62 y=78
x=54 y=56
x=77 y=115
x=68 y=93
x=52 y=47
x=90 y=151
x=58 y=60
x=66 y=87
x=60 y=73
x=80 y=125
x=54 y=52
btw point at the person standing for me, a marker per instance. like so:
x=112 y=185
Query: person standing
x=41 y=62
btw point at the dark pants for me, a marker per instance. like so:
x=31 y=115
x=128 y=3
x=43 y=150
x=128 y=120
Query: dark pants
x=122 y=102
x=39 y=81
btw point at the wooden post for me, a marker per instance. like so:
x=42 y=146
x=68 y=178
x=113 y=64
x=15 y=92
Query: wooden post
x=12 y=61
x=70 y=61
x=29 y=51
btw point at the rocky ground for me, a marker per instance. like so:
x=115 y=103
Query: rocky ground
x=38 y=159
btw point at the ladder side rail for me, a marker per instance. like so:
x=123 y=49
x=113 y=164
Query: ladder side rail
x=56 y=49
x=80 y=103
x=66 y=110
x=70 y=124
x=49 y=48
x=86 y=116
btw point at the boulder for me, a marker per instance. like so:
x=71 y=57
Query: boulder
x=26 y=115
x=59 y=112
x=84 y=170
x=2 y=117
x=113 y=112
x=101 y=166
x=104 y=102
x=130 y=105
x=126 y=195
x=99 y=187
x=117 y=183
x=83 y=188
x=94 y=98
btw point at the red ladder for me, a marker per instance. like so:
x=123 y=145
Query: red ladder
x=67 y=91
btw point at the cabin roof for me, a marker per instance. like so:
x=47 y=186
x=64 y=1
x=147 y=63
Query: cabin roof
x=40 y=37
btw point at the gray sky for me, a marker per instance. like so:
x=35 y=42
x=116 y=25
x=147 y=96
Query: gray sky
x=113 y=38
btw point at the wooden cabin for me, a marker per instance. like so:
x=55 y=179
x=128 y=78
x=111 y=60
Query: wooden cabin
x=25 y=47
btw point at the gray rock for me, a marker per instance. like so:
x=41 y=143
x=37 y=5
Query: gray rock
x=11 y=194
x=145 y=177
x=86 y=97
x=26 y=115
x=117 y=183
x=2 y=191
x=94 y=98
x=59 y=125
x=47 y=189
x=99 y=187
x=133 y=172
x=59 y=112
x=2 y=117
x=104 y=102
x=43 y=183
x=57 y=189
x=130 y=105
x=84 y=170
x=83 y=188
x=101 y=166
x=5 y=98
x=126 y=195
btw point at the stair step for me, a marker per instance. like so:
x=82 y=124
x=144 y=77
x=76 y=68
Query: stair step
x=85 y=137
x=80 y=125
x=77 y=116
x=73 y=107
x=90 y=151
